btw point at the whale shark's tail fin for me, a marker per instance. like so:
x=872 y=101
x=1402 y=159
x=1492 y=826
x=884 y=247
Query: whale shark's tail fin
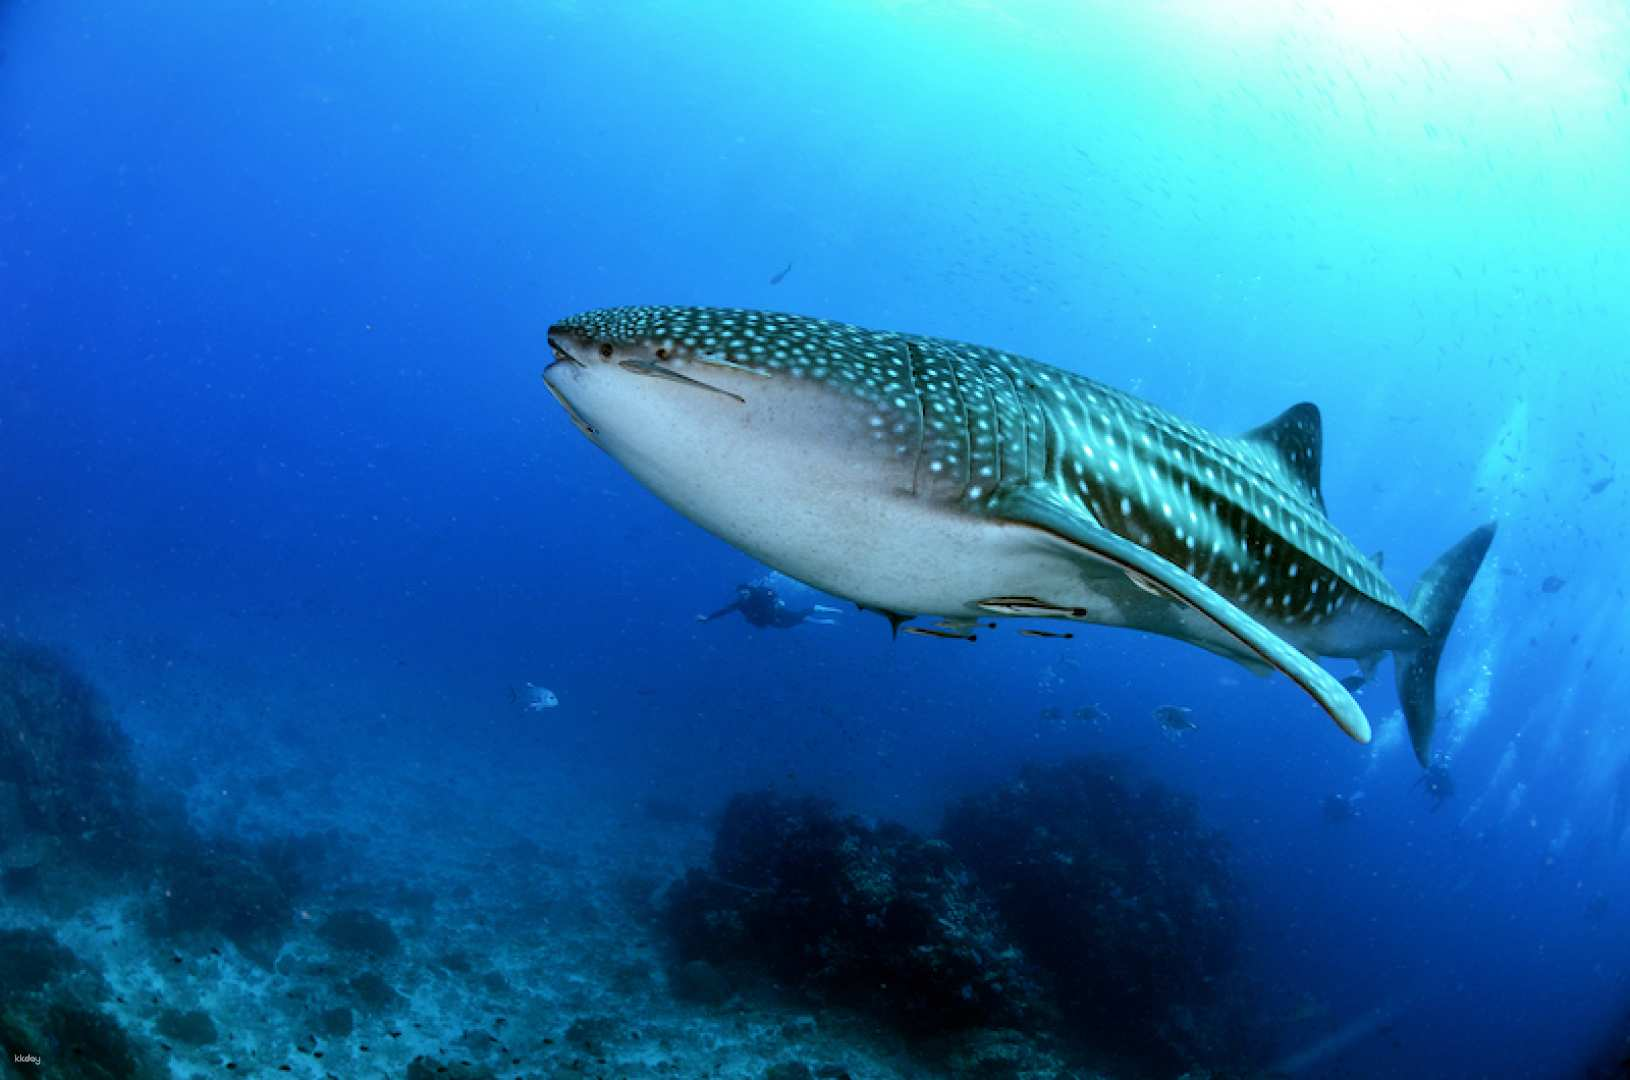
x=1434 y=603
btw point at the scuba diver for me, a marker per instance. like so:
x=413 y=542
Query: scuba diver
x=1439 y=784
x=760 y=605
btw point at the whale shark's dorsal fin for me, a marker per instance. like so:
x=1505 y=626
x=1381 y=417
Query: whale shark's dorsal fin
x=1296 y=436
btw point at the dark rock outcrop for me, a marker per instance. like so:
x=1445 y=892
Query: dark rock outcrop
x=848 y=912
x=1112 y=882
x=68 y=790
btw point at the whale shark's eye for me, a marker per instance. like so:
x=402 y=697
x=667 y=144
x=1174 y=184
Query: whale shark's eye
x=605 y=351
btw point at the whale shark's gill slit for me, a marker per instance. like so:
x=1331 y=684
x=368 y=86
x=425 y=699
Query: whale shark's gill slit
x=725 y=362
x=997 y=447
x=965 y=414
x=914 y=361
x=1035 y=430
x=1022 y=436
x=1049 y=449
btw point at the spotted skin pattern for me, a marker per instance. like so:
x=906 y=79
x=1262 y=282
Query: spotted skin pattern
x=975 y=425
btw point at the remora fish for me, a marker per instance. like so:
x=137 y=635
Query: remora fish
x=920 y=476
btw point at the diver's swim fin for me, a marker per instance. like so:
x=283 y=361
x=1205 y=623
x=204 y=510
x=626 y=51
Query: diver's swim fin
x=1434 y=603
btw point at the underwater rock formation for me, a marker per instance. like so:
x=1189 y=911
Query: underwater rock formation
x=31 y=960
x=875 y=917
x=1114 y=885
x=353 y=930
x=205 y=891
x=73 y=813
x=192 y=1027
x=373 y=994
x=49 y=1010
x=209 y=888
x=68 y=787
x=1610 y=1058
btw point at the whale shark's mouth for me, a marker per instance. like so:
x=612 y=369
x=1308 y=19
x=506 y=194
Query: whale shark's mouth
x=566 y=359
x=562 y=356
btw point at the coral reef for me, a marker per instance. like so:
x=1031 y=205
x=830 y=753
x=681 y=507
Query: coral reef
x=1114 y=885
x=1005 y=1055
x=1109 y=882
x=875 y=917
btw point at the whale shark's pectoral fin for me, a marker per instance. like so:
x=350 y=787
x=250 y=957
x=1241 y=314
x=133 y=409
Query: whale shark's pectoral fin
x=896 y=620
x=1075 y=527
x=1250 y=661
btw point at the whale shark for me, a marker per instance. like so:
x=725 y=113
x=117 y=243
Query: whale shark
x=924 y=477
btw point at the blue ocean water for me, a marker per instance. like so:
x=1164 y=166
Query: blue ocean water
x=278 y=472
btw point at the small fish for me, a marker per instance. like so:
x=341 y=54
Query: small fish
x=1092 y=714
x=781 y=275
x=1043 y=633
x=538 y=698
x=934 y=631
x=1176 y=718
x=1600 y=486
x=1552 y=584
